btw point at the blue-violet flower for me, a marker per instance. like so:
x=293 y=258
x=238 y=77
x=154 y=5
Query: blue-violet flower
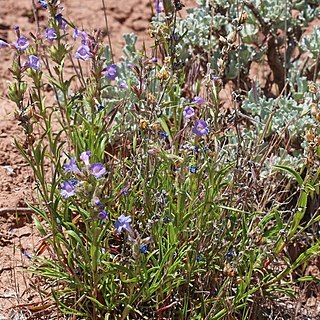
x=164 y=134
x=159 y=6
x=123 y=85
x=71 y=167
x=111 y=71
x=67 y=189
x=62 y=23
x=188 y=112
x=3 y=44
x=123 y=223
x=198 y=100
x=200 y=128
x=51 y=34
x=78 y=33
x=22 y=43
x=98 y=170
x=34 y=62
x=103 y=215
x=85 y=156
x=193 y=169
x=83 y=53
x=143 y=248
x=44 y=4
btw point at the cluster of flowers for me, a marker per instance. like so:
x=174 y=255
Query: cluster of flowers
x=159 y=6
x=22 y=44
x=201 y=127
x=68 y=188
x=87 y=50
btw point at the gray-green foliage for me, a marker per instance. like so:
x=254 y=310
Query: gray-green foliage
x=311 y=43
x=201 y=30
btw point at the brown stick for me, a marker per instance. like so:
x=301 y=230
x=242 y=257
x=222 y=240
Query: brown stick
x=16 y=210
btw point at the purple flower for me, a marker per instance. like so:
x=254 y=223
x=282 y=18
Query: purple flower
x=188 y=112
x=85 y=156
x=100 y=108
x=230 y=254
x=200 y=128
x=71 y=167
x=143 y=248
x=62 y=23
x=74 y=182
x=198 y=100
x=123 y=223
x=44 y=4
x=26 y=254
x=51 y=34
x=96 y=201
x=83 y=53
x=22 y=43
x=78 y=33
x=159 y=6
x=67 y=189
x=111 y=72
x=125 y=191
x=164 y=134
x=130 y=66
x=123 y=85
x=216 y=78
x=16 y=28
x=3 y=44
x=103 y=215
x=98 y=170
x=34 y=62
x=153 y=60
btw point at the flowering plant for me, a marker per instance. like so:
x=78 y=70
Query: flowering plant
x=161 y=202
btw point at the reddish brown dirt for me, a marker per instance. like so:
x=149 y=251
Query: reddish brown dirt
x=18 y=237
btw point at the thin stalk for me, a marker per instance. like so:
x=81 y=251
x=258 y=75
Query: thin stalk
x=107 y=27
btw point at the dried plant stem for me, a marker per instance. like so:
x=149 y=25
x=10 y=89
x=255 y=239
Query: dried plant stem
x=107 y=27
x=15 y=210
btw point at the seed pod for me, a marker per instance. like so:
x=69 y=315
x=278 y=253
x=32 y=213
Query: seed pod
x=220 y=63
x=223 y=40
x=151 y=98
x=231 y=38
x=229 y=271
x=309 y=135
x=317 y=141
x=313 y=88
x=314 y=109
x=243 y=17
x=167 y=60
x=143 y=123
x=30 y=139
